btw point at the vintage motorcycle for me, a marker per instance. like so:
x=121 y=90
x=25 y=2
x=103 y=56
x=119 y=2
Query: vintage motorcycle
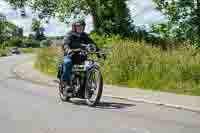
x=86 y=81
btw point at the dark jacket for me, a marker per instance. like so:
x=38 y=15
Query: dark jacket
x=73 y=40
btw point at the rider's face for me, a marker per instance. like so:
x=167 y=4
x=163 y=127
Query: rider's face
x=79 y=28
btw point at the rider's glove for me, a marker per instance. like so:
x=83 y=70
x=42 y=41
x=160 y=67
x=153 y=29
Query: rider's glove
x=104 y=56
x=98 y=55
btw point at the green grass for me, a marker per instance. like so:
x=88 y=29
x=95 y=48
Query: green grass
x=134 y=65
x=29 y=50
x=4 y=52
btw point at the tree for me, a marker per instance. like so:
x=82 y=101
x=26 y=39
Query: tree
x=2 y=26
x=38 y=29
x=184 y=18
x=19 y=4
x=2 y=23
x=112 y=16
x=19 y=31
x=7 y=29
x=109 y=16
x=35 y=25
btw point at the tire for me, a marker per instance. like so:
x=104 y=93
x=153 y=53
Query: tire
x=99 y=88
x=63 y=97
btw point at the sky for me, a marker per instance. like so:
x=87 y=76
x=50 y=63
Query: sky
x=142 y=11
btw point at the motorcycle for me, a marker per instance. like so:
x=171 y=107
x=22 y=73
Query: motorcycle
x=86 y=79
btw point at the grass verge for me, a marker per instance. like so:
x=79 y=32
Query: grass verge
x=134 y=65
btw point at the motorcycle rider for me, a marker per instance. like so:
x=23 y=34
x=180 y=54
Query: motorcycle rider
x=72 y=44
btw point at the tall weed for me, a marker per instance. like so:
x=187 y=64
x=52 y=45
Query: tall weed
x=134 y=65
x=48 y=59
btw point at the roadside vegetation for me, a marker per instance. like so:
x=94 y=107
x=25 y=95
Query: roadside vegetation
x=24 y=45
x=134 y=65
x=165 y=57
x=12 y=36
x=137 y=65
x=4 y=52
x=48 y=59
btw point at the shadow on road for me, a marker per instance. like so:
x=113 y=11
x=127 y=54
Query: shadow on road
x=105 y=105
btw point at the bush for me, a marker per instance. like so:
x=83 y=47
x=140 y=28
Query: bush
x=13 y=42
x=4 y=45
x=19 y=42
x=45 y=43
x=104 y=41
x=4 y=52
x=31 y=43
x=47 y=60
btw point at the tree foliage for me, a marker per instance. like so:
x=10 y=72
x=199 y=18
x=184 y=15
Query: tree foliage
x=19 y=32
x=184 y=18
x=7 y=29
x=109 y=16
x=2 y=23
x=38 y=29
x=35 y=25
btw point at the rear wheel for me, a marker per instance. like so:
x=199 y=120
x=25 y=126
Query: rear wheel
x=94 y=87
x=62 y=95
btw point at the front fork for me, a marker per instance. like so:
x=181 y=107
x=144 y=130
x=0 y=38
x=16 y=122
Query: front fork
x=79 y=91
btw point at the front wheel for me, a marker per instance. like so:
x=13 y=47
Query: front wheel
x=94 y=87
x=63 y=96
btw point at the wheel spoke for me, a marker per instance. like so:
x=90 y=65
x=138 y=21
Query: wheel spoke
x=94 y=88
x=61 y=93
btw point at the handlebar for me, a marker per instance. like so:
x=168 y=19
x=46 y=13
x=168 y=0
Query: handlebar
x=90 y=49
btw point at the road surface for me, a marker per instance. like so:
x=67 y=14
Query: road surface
x=30 y=108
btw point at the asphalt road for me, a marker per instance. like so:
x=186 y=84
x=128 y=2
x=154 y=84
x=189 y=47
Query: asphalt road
x=31 y=108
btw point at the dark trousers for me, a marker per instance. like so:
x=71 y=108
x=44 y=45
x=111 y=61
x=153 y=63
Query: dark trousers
x=69 y=61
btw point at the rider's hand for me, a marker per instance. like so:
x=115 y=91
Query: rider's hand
x=77 y=50
x=98 y=55
x=101 y=55
x=67 y=50
x=104 y=56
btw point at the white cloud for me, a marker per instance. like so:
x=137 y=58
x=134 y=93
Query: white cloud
x=53 y=28
x=143 y=11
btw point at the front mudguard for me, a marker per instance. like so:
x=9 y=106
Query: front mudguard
x=81 y=93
